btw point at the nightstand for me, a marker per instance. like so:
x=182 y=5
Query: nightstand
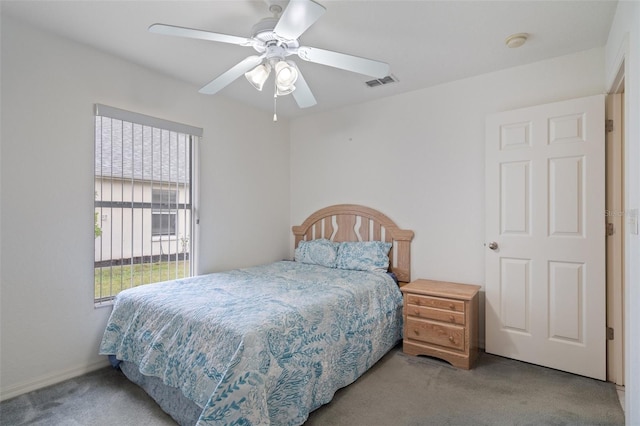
x=441 y=320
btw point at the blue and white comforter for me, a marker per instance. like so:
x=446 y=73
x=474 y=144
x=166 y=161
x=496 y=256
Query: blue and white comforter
x=257 y=346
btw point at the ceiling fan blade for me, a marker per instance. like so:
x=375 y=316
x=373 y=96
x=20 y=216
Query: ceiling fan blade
x=346 y=62
x=172 y=30
x=298 y=16
x=303 y=96
x=226 y=78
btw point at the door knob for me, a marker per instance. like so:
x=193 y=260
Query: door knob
x=493 y=245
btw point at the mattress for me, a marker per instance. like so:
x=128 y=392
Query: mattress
x=261 y=345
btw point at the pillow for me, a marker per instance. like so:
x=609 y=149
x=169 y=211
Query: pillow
x=317 y=252
x=364 y=256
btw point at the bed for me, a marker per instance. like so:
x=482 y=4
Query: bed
x=270 y=343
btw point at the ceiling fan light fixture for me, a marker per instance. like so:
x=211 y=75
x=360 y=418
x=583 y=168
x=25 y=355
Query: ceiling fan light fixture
x=286 y=74
x=284 y=90
x=259 y=75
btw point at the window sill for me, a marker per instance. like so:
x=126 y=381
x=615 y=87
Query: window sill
x=164 y=238
x=103 y=304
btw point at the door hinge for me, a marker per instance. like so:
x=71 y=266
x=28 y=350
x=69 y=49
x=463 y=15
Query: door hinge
x=610 y=229
x=609 y=126
x=609 y=333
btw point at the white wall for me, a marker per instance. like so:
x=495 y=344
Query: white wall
x=50 y=329
x=419 y=157
x=623 y=48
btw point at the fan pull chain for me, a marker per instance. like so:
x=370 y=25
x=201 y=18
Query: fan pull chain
x=275 y=97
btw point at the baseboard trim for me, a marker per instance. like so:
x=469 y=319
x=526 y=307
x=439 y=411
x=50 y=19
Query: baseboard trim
x=50 y=379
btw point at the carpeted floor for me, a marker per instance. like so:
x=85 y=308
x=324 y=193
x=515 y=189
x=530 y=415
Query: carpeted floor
x=398 y=390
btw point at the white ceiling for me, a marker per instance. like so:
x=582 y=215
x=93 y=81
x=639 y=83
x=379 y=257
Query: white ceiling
x=425 y=42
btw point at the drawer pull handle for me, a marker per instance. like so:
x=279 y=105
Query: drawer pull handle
x=452 y=318
x=451 y=339
x=416 y=312
x=452 y=306
x=416 y=332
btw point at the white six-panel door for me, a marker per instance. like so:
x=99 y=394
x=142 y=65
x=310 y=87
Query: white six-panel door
x=545 y=230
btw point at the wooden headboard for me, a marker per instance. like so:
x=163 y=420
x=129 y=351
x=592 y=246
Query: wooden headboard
x=351 y=222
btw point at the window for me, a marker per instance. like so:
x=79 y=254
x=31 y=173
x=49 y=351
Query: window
x=163 y=223
x=164 y=212
x=144 y=200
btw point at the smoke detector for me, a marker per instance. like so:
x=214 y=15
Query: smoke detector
x=516 y=40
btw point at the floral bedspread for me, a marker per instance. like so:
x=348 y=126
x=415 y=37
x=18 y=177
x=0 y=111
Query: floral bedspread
x=261 y=345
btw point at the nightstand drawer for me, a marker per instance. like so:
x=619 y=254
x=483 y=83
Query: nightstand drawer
x=435 y=314
x=449 y=336
x=435 y=302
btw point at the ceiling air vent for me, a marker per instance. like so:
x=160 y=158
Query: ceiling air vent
x=381 y=81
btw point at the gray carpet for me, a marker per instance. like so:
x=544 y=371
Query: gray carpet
x=398 y=390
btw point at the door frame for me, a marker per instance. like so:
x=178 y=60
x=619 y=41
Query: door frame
x=616 y=208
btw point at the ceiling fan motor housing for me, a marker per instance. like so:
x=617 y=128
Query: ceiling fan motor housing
x=266 y=37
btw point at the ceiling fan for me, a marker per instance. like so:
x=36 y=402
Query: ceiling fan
x=275 y=39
